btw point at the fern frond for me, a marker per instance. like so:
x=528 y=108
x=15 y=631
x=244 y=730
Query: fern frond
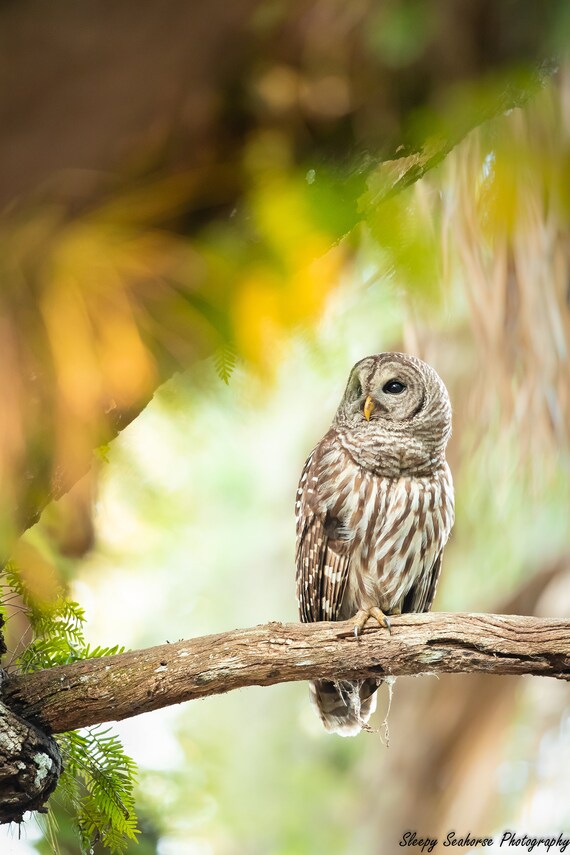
x=88 y=652
x=98 y=778
x=99 y=786
x=225 y=362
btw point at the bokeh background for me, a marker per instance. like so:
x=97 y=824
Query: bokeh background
x=209 y=213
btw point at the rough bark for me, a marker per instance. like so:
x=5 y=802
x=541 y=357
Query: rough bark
x=117 y=687
x=30 y=766
x=30 y=762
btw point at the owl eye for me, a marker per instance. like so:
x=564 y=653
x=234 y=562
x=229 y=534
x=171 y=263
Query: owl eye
x=393 y=387
x=358 y=389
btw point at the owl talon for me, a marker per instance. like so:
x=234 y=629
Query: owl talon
x=363 y=615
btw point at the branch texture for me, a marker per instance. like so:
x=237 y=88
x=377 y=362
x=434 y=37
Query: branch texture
x=30 y=766
x=117 y=687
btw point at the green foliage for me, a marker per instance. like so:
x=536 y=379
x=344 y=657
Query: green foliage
x=98 y=778
x=57 y=627
x=225 y=362
x=102 y=452
x=98 y=787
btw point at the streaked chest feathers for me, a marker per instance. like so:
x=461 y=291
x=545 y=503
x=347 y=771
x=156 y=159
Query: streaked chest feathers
x=384 y=535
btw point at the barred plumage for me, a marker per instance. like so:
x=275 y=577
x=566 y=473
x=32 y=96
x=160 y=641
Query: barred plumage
x=374 y=511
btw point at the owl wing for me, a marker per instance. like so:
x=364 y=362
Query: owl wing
x=322 y=557
x=420 y=597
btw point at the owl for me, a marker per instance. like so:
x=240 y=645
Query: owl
x=374 y=510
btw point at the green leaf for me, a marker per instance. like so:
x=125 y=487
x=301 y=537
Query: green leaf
x=225 y=362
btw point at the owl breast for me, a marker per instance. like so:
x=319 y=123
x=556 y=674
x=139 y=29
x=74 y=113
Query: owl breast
x=394 y=528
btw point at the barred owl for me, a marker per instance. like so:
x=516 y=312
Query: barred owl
x=374 y=511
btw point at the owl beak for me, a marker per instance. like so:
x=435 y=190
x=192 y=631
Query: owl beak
x=368 y=408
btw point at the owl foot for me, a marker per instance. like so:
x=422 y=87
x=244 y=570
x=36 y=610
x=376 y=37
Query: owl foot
x=363 y=615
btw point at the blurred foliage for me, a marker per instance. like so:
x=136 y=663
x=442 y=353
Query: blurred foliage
x=215 y=234
x=113 y=305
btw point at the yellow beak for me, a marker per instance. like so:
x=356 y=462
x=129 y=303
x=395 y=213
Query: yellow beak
x=368 y=407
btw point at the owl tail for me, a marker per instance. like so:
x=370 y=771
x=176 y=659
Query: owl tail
x=344 y=706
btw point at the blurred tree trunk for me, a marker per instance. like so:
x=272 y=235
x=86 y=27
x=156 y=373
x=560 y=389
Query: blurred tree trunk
x=449 y=736
x=98 y=87
x=99 y=99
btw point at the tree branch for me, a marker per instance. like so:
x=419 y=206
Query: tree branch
x=30 y=766
x=117 y=687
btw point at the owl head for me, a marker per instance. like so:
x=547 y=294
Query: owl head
x=395 y=406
